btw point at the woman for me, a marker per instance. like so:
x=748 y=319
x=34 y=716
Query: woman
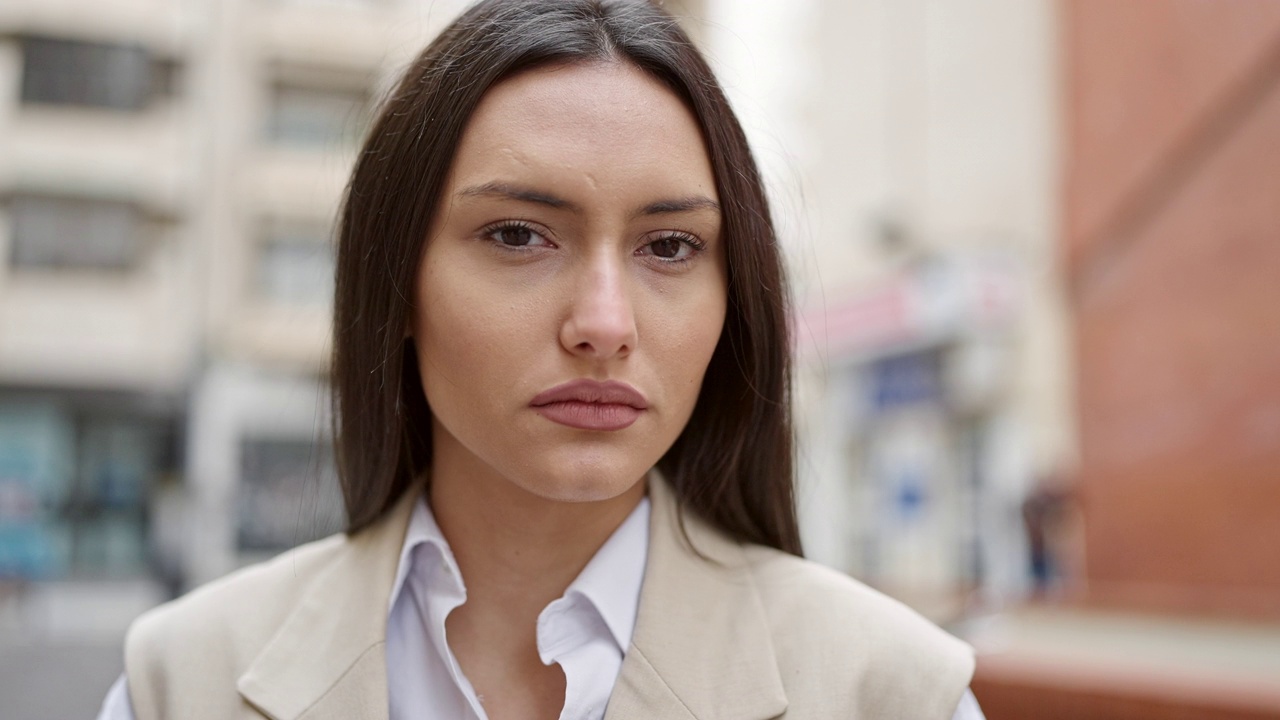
x=563 y=429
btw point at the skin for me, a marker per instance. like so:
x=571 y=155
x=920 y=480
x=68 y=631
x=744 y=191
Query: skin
x=606 y=176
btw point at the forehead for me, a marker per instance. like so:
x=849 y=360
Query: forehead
x=585 y=127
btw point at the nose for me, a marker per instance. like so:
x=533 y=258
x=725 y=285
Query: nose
x=601 y=322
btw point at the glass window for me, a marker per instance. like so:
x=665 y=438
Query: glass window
x=295 y=267
x=65 y=232
x=74 y=489
x=312 y=116
x=903 y=380
x=288 y=494
x=37 y=467
x=75 y=72
x=120 y=459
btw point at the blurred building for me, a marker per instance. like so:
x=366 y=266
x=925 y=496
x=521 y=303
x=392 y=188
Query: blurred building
x=1172 y=214
x=169 y=173
x=1172 y=269
x=912 y=151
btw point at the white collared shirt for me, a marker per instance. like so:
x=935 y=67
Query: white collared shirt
x=586 y=631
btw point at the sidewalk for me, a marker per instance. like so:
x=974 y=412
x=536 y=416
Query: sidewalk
x=57 y=680
x=61 y=644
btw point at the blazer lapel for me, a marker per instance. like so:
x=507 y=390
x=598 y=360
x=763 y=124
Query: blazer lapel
x=328 y=658
x=702 y=649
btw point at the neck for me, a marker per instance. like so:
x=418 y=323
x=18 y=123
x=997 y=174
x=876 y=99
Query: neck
x=517 y=551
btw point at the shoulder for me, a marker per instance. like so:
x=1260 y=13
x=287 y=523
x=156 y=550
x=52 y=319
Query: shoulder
x=226 y=622
x=827 y=625
x=801 y=594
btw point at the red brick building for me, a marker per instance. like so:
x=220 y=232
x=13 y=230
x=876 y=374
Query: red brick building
x=1173 y=254
x=1171 y=247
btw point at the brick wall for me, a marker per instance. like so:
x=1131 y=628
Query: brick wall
x=1172 y=245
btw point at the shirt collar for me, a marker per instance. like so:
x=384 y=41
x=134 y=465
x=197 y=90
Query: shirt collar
x=422 y=530
x=611 y=580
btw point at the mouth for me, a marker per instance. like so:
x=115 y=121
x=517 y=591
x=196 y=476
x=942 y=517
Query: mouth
x=591 y=405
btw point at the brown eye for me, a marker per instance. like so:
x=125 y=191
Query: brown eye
x=515 y=236
x=673 y=248
x=668 y=248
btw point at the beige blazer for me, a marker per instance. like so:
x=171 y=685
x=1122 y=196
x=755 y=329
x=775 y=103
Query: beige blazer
x=733 y=631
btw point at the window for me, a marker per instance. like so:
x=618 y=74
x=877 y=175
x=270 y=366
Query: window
x=65 y=232
x=75 y=72
x=288 y=494
x=903 y=380
x=37 y=467
x=313 y=116
x=74 y=487
x=119 y=459
x=295 y=267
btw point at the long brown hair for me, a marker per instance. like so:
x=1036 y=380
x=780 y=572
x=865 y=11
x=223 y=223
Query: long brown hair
x=733 y=463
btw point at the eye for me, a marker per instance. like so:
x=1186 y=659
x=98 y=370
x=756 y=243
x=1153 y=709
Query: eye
x=673 y=248
x=516 y=235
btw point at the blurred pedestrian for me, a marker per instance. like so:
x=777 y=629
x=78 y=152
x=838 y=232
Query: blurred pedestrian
x=1043 y=513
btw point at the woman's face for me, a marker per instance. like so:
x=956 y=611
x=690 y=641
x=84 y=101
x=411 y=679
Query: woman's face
x=572 y=289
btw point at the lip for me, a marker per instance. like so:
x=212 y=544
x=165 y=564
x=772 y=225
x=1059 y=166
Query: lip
x=587 y=404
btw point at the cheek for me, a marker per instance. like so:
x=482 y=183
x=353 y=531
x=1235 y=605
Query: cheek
x=465 y=338
x=689 y=333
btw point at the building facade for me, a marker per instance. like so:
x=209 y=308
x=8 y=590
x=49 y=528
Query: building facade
x=169 y=173
x=912 y=153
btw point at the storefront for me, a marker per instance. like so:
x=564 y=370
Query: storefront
x=917 y=439
x=77 y=472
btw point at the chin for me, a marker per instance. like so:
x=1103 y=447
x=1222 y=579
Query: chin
x=585 y=479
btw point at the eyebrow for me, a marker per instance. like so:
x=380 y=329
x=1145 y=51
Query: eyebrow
x=508 y=191
x=680 y=205
x=514 y=192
